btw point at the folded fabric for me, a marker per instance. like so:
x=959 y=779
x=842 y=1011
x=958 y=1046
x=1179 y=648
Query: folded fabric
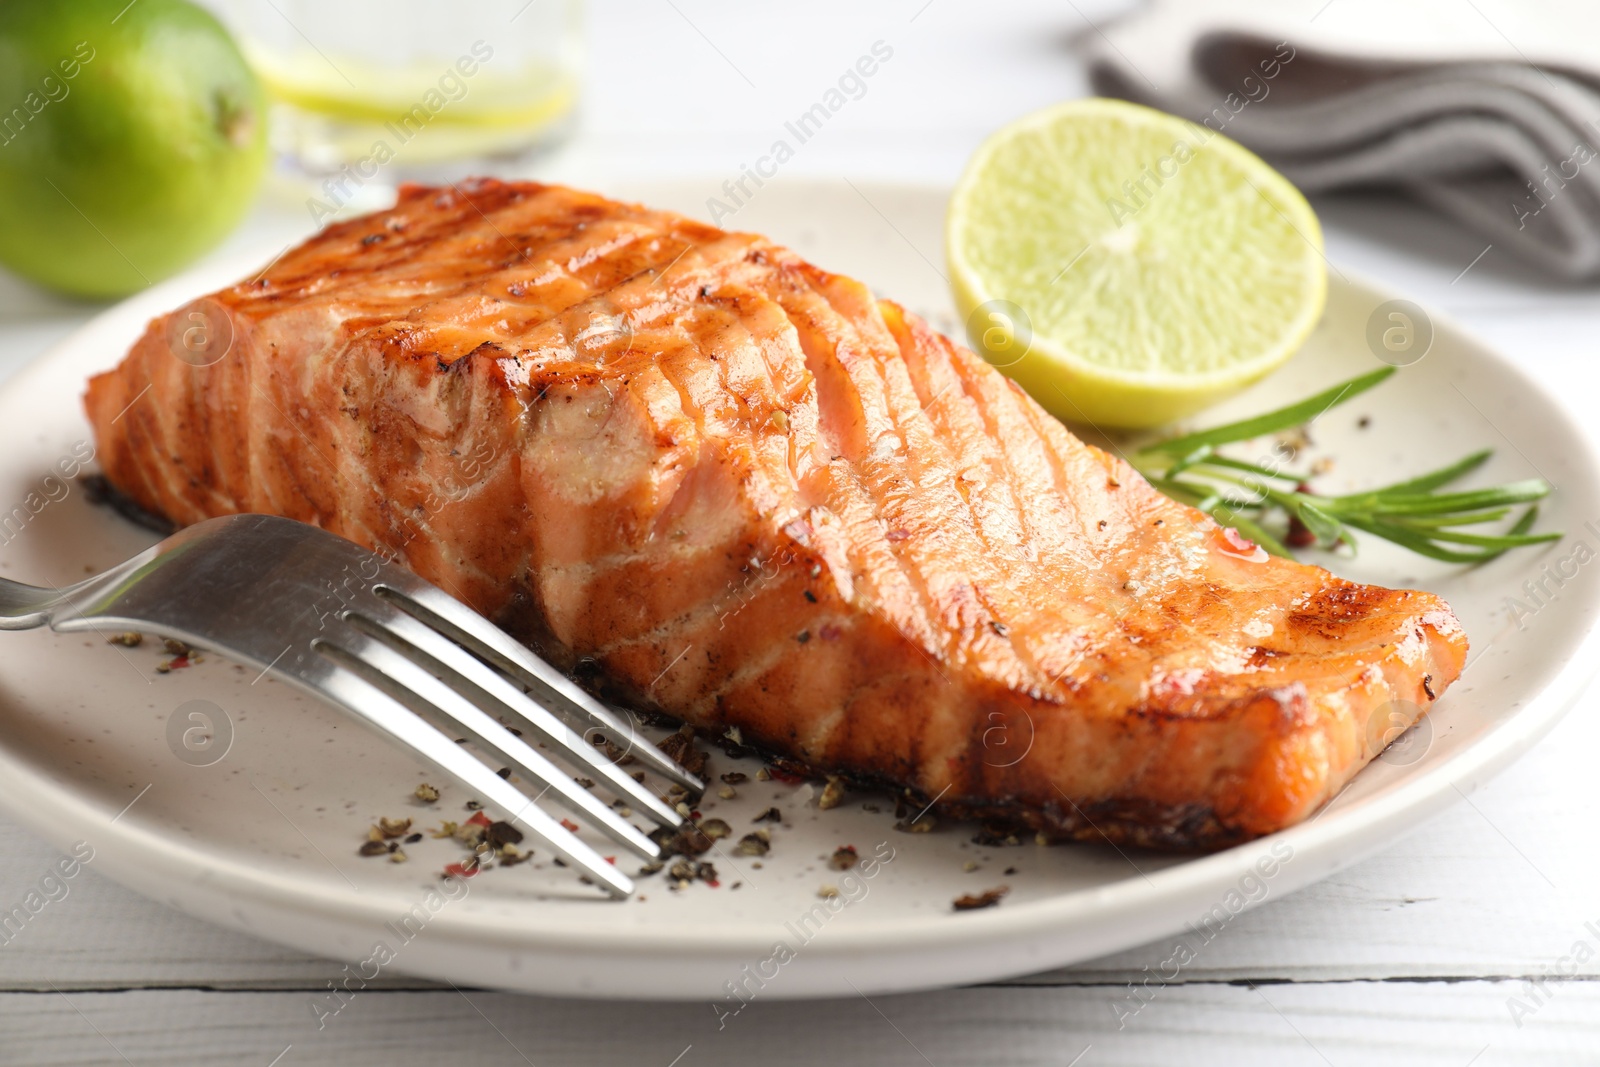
x=1488 y=112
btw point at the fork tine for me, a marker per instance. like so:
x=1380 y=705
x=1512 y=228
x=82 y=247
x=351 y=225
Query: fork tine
x=440 y=652
x=360 y=697
x=475 y=633
x=395 y=669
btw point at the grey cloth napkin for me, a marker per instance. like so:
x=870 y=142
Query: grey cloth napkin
x=1507 y=145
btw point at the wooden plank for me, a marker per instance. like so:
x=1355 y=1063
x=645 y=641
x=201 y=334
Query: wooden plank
x=1449 y=1024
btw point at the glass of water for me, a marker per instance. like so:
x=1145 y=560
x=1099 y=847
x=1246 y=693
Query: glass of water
x=410 y=88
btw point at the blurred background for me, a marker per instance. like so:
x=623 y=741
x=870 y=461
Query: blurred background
x=611 y=90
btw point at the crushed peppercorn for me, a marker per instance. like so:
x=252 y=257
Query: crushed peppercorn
x=388 y=827
x=986 y=899
x=682 y=750
x=756 y=844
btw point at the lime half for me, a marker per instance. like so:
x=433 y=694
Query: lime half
x=1127 y=267
x=138 y=142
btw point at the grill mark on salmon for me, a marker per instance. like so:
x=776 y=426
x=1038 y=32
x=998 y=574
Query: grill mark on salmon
x=756 y=496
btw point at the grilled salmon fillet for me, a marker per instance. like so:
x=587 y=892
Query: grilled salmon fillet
x=751 y=495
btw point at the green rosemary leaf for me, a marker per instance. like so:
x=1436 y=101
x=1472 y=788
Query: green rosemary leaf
x=1469 y=500
x=1520 y=529
x=1419 y=543
x=1199 y=455
x=1468 y=518
x=1227 y=512
x=1253 y=468
x=1182 y=492
x=1423 y=483
x=1284 y=418
x=1323 y=526
x=1524 y=524
x=1506 y=540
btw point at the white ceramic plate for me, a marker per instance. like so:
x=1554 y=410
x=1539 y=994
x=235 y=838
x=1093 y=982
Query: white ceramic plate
x=265 y=838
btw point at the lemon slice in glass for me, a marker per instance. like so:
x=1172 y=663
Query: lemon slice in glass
x=1128 y=267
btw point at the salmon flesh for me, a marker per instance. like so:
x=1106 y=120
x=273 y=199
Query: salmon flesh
x=754 y=497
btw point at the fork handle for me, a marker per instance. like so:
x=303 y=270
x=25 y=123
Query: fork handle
x=25 y=607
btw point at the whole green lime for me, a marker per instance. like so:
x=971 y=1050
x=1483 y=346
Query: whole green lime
x=132 y=140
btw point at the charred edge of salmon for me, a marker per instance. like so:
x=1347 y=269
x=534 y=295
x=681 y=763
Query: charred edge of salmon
x=1133 y=821
x=1117 y=821
x=100 y=490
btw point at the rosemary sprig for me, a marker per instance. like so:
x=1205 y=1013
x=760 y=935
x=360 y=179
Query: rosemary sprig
x=1255 y=498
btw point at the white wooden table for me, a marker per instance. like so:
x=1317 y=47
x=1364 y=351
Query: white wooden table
x=1419 y=955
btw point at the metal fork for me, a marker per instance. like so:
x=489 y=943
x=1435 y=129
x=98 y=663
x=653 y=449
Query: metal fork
x=341 y=623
